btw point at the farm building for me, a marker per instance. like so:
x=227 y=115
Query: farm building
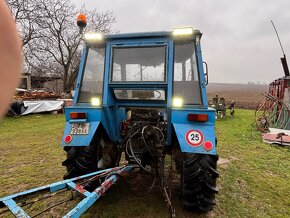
x=50 y=83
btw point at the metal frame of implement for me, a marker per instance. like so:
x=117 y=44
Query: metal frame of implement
x=89 y=197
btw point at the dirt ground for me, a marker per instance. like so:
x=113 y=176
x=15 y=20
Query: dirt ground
x=246 y=96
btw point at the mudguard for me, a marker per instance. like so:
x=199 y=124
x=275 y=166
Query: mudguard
x=79 y=140
x=193 y=136
x=106 y=118
x=196 y=138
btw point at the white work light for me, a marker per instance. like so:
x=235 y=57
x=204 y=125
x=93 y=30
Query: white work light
x=91 y=37
x=182 y=31
x=96 y=101
x=177 y=102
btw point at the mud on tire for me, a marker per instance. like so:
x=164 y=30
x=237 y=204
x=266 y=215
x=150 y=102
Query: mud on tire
x=198 y=182
x=80 y=161
x=84 y=160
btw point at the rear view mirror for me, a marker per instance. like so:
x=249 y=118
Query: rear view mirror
x=206 y=73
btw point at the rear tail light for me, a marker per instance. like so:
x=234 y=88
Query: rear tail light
x=208 y=145
x=78 y=115
x=67 y=139
x=197 y=117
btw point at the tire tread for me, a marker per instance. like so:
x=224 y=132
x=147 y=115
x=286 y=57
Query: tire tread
x=198 y=182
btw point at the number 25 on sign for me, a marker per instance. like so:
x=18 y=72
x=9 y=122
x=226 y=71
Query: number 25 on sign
x=194 y=137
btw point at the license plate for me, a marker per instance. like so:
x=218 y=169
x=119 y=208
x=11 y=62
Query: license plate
x=80 y=129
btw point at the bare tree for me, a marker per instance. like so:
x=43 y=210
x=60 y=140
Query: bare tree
x=55 y=48
x=25 y=15
x=60 y=35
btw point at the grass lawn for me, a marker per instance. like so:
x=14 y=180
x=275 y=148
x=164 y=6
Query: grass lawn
x=254 y=177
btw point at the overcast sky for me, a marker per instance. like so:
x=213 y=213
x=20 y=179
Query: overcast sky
x=238 y=42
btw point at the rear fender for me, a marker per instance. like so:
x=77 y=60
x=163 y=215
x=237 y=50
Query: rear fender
x=193 y=136
x=80 y=140
x=98 y=119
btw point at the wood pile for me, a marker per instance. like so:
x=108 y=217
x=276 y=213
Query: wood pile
x=36 y=95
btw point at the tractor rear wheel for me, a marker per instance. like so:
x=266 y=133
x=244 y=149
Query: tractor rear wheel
x=83 y=160
x=80 y=161
x=198 y=182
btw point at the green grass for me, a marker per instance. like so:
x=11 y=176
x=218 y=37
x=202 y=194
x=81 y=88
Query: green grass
x=254 y=177
x=256 y=182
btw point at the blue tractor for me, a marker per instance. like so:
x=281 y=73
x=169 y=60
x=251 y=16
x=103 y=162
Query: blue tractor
x=142 y=96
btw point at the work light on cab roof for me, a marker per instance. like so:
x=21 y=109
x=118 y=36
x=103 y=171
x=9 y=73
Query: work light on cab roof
x=93 y=37
x=182 y=31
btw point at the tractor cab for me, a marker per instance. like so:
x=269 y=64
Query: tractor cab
x=142 y=94
x=152 y=70
x=161 y=70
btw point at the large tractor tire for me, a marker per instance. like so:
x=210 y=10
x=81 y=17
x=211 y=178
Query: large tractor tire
x=80 y=161
x=84 y=160
x=198 y=182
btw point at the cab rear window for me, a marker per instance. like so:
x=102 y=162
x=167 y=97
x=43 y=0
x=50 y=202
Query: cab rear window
x=139 y=64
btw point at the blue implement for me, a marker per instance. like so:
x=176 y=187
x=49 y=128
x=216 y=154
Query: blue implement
x=111 y=177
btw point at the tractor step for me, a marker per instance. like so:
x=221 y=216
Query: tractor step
x=111 y=176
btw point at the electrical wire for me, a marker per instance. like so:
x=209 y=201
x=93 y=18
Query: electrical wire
x=143 y=129
x=160 y=132
x=129 y=138
x=130 y=151
x=136 y=159
x=132 y=155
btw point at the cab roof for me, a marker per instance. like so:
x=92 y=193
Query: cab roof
x=160 y=34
